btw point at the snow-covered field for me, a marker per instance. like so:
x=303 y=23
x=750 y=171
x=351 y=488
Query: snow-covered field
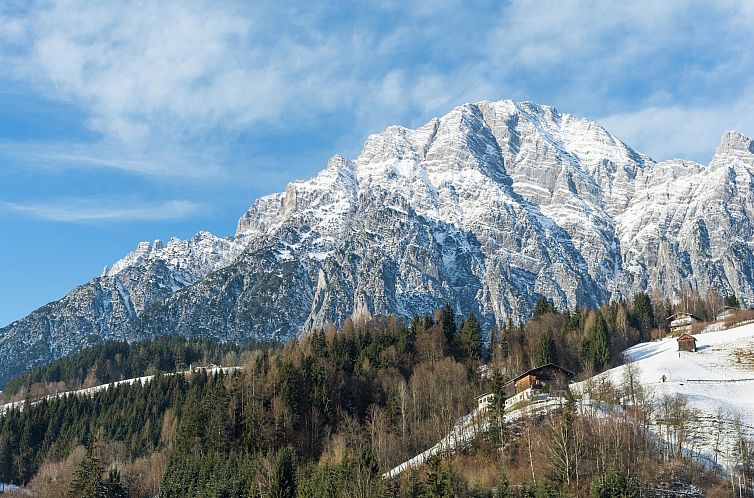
x=717 y=381
x=10 y=488
x=718 y=377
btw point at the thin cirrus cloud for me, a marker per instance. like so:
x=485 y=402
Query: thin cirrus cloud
x=104 y=210
x=65 y=156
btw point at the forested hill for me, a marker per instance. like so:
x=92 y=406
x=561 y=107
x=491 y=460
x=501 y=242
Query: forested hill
x=325 y=415
x=113 y=361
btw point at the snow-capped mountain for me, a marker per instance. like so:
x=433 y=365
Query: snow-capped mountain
x=487 y=208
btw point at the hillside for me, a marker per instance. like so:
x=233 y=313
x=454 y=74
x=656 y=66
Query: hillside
x=717 y=381
x=380 y=405
x=698 y=404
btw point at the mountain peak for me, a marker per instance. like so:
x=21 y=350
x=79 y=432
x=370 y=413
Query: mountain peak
x=735 y=141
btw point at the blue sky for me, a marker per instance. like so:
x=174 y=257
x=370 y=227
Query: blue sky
x=128 y=121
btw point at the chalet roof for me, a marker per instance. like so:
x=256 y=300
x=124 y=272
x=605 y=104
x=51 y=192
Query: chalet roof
x=686 y=336
x=675 y=316
x=529 y=372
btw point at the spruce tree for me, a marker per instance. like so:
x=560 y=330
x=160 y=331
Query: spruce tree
x=113 y=486
x=543 y=307
x=732 y=301
x=282 y=482
x=439 y=479
x=498 y=428
x=599 y=344
x=448 y=324
x=470 y=340
x=87 y=480
x=6 y=458
x=643 y=314
x=493 y=350
x=319 y=344
x=503 y=486
x=546 y=351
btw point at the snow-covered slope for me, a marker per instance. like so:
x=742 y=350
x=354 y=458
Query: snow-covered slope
x=718 y=377
x=108 y=307
x=89 y=391
x=486 y=208
x=717 y=381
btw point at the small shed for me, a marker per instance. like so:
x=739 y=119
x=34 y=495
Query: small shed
x=681 y=323
x=687 y=342
x=725 y=313
x=540 y=378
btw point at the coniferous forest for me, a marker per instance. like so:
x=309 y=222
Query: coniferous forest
x=327 y=414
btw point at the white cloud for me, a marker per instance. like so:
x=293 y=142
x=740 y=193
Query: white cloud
x=95 y=210
x=681 y=132
x=162 y=76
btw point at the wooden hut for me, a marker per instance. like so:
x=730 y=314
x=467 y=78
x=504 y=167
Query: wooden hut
x=681 y=323
x=725 y=313
x=541 y=378
x=687 y=342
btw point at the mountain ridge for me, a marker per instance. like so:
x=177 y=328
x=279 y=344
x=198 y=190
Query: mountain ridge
x=487 y=208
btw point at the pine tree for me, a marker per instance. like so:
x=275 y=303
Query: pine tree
x=6 y=458
x=493 y=350
x=504 y=487
x=599 y=344
x=543 y=307
x=546 y=350
x=407 y=339
x=448 y=324
x=643 y=314
x=732 y=301
x=439 y=479
x=25 y=461
x=282 y=482
x=470 y=339
x=87 y=480
x=498 y=428
x=615 y=483
x=319 y=345
x=113 y=486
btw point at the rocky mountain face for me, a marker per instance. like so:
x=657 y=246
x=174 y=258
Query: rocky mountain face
x=487 y=208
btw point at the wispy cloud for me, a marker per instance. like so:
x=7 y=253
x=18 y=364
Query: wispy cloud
x=194 y=65
x=175 y=162
x=100 y=210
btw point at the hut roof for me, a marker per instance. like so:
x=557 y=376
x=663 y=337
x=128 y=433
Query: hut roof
x=568 y=373
x=682 y=314
x=685 y=337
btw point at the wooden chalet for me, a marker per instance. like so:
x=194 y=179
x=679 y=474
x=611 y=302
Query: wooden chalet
x=541 y=378
x=681 y=323
x=687 y=342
